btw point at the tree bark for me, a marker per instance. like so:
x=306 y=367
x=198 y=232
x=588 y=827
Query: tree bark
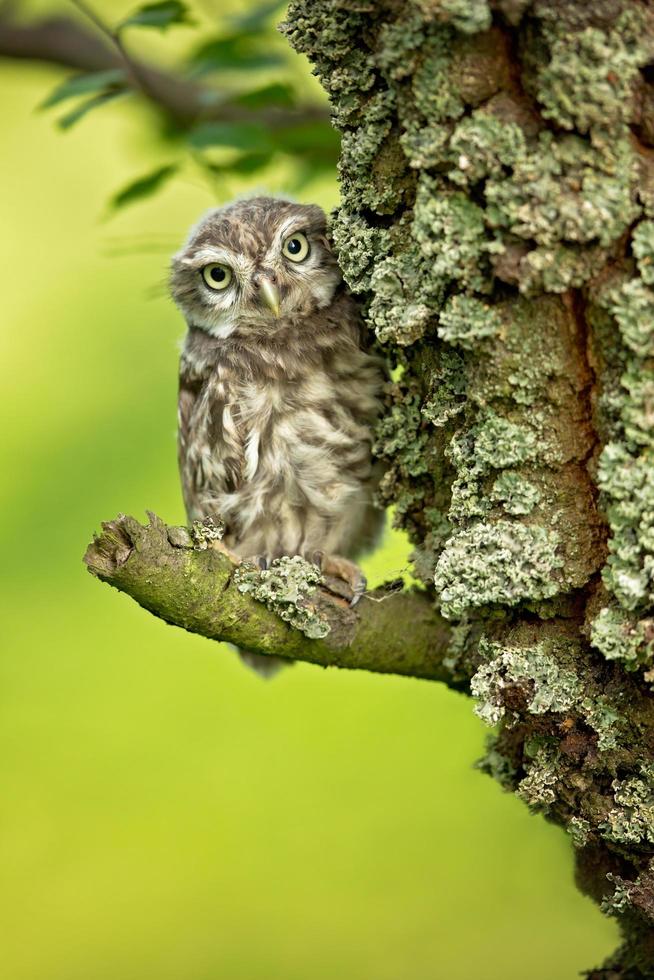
x=194 y=583
x=497 y=221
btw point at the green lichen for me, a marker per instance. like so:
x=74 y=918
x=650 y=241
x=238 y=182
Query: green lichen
x=493 y=443
x=405 y=299
x=497 y=562
x=494 y=763
x=632 y=305
x=205 y=532
x=566 y=190
x=558 y=268
x=435 y=93
x=619 y=636
x=631 y=821
x=516 y=494
x=642 y=244
x=538 y=787
x=482 y=145
x=468 y=16
x=548 y=685
x=619 y=901
x=588 y=79
x=359 y=246
x=626 y=482
x=399 y=434
x=579 y=829
x=465 y=320
x=550 y=679
x=449 y=228
x=286 y=588
x=446 y=397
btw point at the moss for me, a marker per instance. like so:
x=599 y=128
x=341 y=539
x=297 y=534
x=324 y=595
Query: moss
x=516 y=494
x=631 y=821
x=497 y=562
x=464 y=320
x=286 y=588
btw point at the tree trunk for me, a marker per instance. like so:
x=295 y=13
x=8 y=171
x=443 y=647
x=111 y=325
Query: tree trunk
x=497 y=220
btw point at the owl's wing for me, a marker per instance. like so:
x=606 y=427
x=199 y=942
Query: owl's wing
x=210 y=451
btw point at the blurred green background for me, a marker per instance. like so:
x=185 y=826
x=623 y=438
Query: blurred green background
x=165 y=813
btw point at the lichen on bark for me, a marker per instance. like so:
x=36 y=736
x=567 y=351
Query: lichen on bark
x=497 y=196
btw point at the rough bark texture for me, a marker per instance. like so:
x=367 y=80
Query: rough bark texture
x=497 y=220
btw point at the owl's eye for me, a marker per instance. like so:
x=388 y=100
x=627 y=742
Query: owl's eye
x=217 y=276
x=296 y=247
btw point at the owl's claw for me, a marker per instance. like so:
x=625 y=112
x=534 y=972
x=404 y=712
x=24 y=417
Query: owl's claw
x=344 y=570
x=259 y=560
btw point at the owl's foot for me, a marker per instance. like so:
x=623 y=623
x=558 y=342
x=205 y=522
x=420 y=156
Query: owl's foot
x=344 y=570
x=259 y=560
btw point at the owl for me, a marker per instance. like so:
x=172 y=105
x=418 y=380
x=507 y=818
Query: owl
x=278 y=393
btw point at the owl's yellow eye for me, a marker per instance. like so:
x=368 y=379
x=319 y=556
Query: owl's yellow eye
x=217 y=276
x=296 y=247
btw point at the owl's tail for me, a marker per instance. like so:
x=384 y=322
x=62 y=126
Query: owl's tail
x=265 y=666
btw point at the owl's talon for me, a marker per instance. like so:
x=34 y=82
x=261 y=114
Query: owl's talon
x=346 y=571
x=260 y=561
x=358 y=590
x=318 y=558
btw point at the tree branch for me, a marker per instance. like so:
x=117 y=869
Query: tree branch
x=159 y=567
x=65 y=42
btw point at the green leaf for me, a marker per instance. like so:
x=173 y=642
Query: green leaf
x=243 y=136
x=95 y=81
x=81 y=110
x=158 y=15
x=258 y=18
x=274 y=94
x=245 y=165
x=143 y=186
x=235 y=52
x=310 y=139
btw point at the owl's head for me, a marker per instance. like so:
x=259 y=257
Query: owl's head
x=248 y=266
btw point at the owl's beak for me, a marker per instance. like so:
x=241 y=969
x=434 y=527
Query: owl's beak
x=270 y=294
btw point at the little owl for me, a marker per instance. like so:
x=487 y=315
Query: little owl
x=277 y=392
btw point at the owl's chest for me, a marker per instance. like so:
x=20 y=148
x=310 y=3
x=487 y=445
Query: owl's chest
x=281 y=431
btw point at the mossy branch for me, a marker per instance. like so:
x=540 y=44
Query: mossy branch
x=196 y=589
